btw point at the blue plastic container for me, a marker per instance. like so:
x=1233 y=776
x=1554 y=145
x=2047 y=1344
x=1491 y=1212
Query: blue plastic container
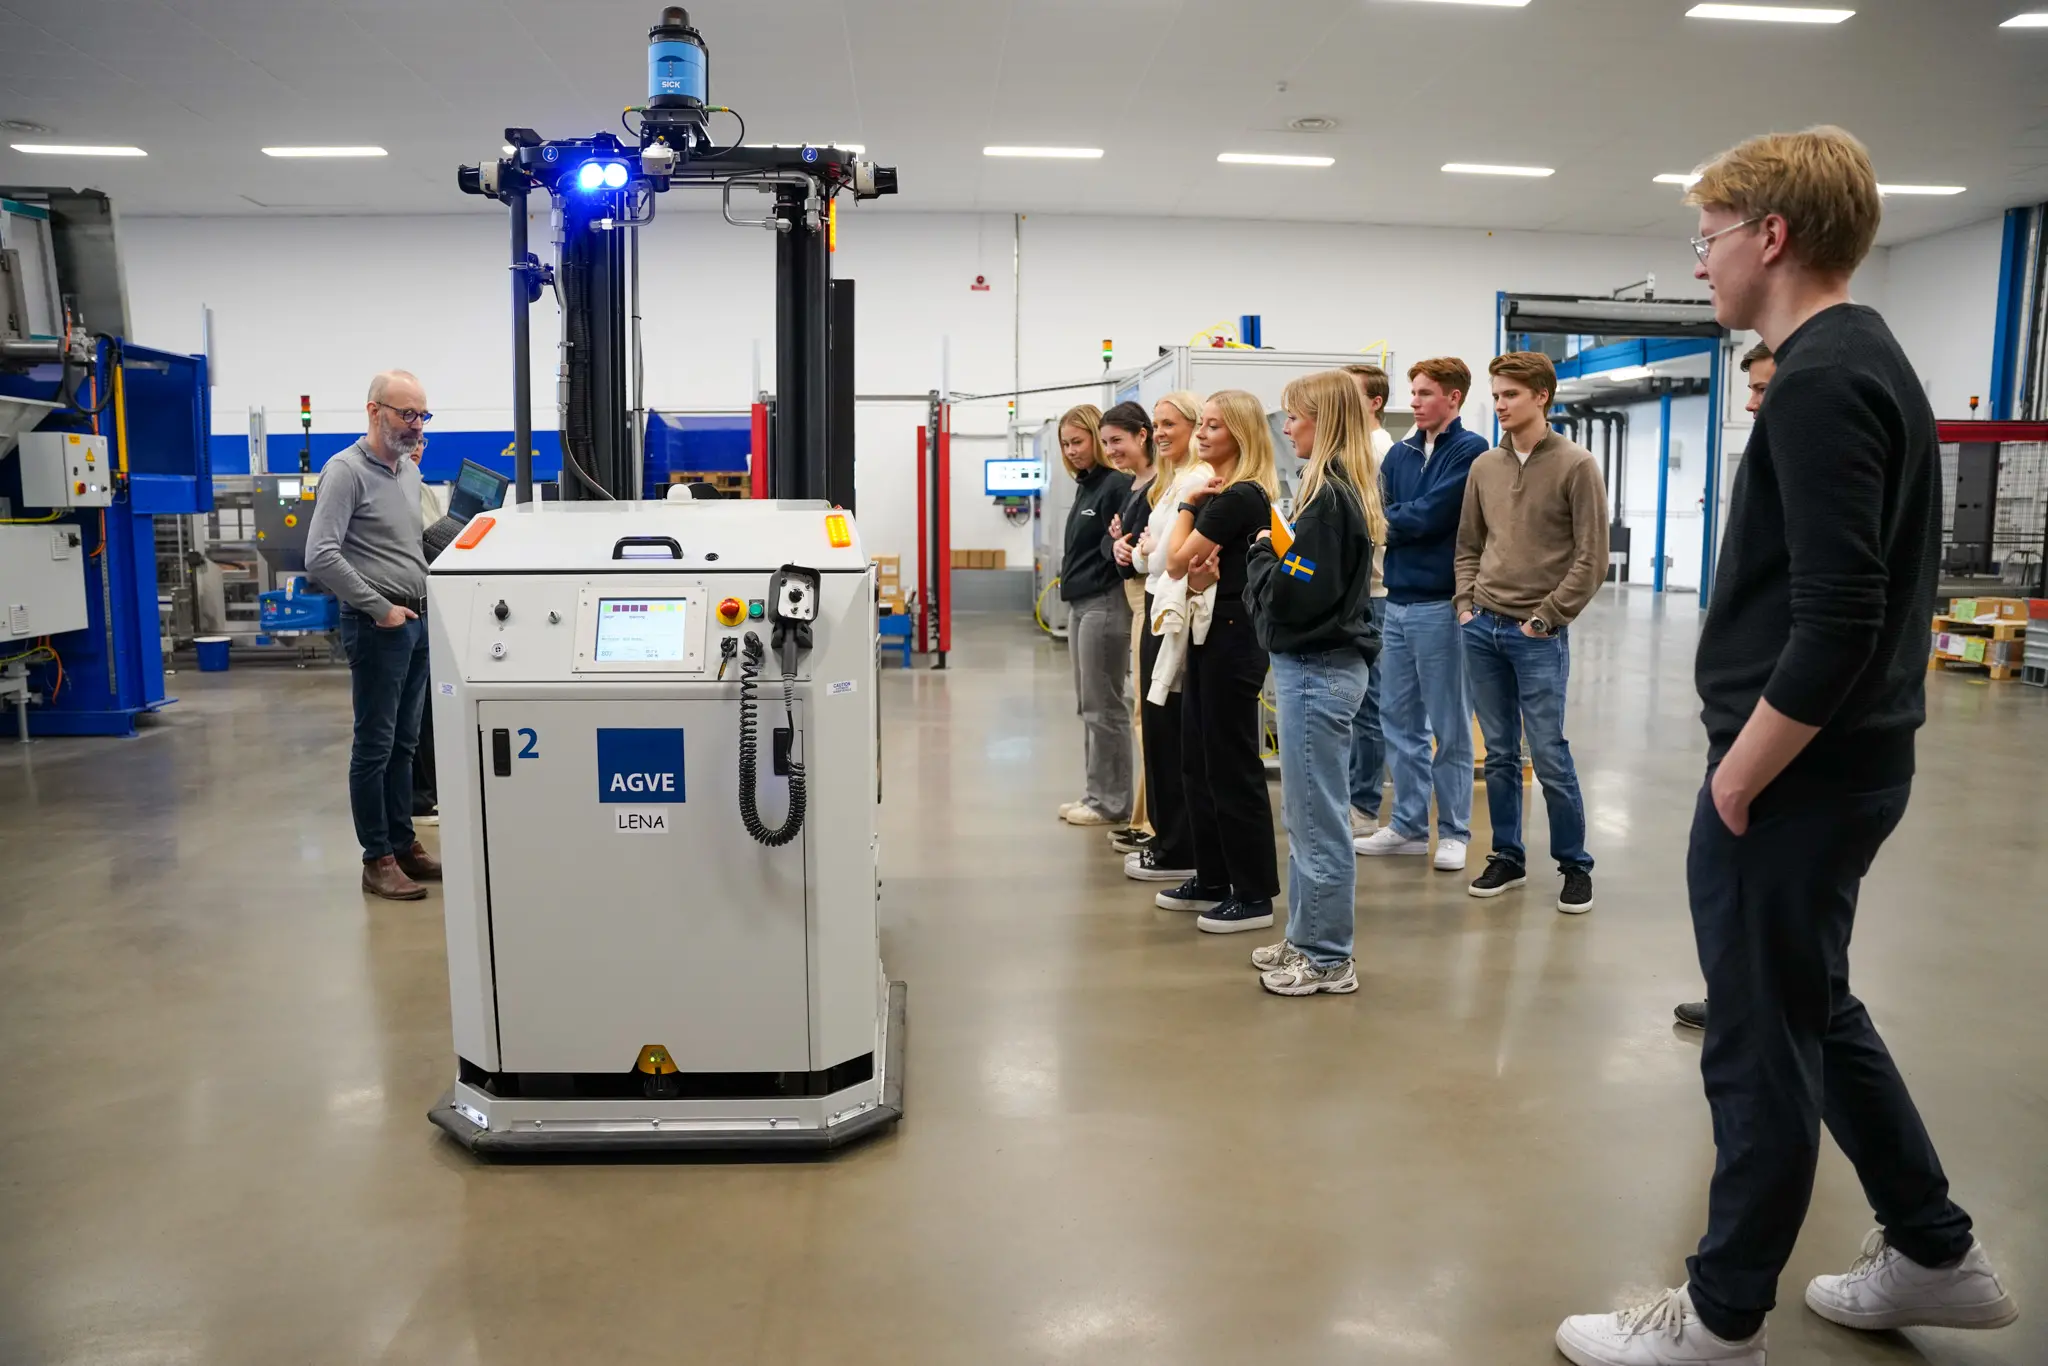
x=213 y=654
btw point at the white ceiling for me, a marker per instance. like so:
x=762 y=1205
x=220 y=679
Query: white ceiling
x=1610 y=92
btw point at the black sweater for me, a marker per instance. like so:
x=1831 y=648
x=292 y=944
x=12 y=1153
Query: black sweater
x=1133 y=517
x=1827 y=573
x=1087 y=569
x=1314 y=598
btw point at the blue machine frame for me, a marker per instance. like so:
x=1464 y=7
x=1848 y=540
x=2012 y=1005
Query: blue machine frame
x=159 y=423
x=1648 y=351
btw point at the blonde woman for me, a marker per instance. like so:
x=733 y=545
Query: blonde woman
x=1169 y=855
x=1230 y=815
x=1098 y=622
x=1311 y=606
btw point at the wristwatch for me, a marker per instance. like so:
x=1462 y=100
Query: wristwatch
x=1539 y=626
x=1190 y=507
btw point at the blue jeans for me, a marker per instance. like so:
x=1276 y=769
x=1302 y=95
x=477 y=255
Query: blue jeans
x=1423 y=695
x=387 y=673
x=1368 y=747
x=1518 y=686
x=1319 y=695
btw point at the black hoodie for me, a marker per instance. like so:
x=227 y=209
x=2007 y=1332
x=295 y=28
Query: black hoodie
x=1314 y=598
x=1088 y=568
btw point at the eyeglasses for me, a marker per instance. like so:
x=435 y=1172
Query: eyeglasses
x=411 y=415
x=1702 y=245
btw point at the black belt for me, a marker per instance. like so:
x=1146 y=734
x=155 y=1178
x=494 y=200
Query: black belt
x=418 y=606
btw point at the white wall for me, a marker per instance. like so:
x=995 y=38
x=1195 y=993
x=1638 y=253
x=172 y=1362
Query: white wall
x=1942 y=303
x=318 y=304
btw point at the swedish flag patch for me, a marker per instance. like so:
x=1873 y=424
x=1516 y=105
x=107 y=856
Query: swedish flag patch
x=1299 y=568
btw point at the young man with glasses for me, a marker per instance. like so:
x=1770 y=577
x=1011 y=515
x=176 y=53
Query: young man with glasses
x=1812 y=669
x=364 y=547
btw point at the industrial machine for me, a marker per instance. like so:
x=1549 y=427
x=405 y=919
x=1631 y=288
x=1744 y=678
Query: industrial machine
x=98 y=437
x=661 y=905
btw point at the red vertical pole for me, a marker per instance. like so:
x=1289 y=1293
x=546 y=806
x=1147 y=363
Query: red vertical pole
x=758 y=461
x=924 y=587
x=943 y=572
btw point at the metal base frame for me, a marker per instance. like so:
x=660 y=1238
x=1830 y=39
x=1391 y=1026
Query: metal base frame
x=536 y=1128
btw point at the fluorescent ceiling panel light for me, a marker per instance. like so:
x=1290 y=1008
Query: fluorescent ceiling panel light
x=1266 y=159
x=1921 y=189
x=1497 y=4
x=1068 y=153
x=1770 y=14
x=57 y=149
x=1689 y=179
x=1470 y=168
x=324 y=152
x=2038 y=19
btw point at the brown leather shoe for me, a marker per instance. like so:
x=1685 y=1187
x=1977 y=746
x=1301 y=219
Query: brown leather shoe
x=383 y=877
x=419 y=865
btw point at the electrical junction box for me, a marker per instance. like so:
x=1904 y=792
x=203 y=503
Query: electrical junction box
x=42 y=582
x=65 y=470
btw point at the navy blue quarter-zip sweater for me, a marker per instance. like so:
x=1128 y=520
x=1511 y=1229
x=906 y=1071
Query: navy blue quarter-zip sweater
x=1423 y=503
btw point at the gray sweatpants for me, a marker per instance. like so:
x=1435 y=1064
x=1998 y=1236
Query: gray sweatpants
x=1099 y=637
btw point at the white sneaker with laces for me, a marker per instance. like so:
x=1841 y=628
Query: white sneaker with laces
x=1083 y=814
x=1387 y=841
x=1884 y=1288
x=1450 y=855
x=1664 y=1332
x=1300 y=977
x=1272 y=956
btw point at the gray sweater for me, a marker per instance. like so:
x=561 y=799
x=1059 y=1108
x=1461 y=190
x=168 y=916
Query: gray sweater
x=364 y=544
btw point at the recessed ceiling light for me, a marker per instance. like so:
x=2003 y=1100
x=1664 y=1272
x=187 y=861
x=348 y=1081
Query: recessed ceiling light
x=1688 y=179
x=28 y=126
x=1770 y=14
x=1265 y=159
x=1498 y=4
x=1469 y=168
x=324 y=152
x=1069 y=153
x=1313 y=123
x=2038 y=19
x=1921 y=189
x=54 y=149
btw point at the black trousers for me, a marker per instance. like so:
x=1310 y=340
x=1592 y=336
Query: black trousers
x=1788 y=1047
x=426 y=797
x=1230 y=812
x=1165 y=792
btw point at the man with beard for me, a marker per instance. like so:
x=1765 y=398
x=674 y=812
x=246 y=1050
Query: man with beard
x=364 y=547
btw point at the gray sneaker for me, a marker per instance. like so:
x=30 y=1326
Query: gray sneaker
x=1273 y=956
x=1303 y=978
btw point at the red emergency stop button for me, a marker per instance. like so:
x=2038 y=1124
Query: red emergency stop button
x=731 y=611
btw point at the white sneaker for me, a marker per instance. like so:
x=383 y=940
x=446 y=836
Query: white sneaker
x=1273 y=956
x=1450 y=855
x=1303 y=978
x=1065 y=807
x=1080 y=813
x=1387 y=841
x=1884 y=1288
x=1664 y=1332
x=1146 y=866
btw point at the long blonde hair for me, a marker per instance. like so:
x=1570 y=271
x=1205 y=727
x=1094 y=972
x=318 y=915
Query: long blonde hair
x=1245 y=419
x=1088 y=418
x=1330 y=399
x=1188 y=404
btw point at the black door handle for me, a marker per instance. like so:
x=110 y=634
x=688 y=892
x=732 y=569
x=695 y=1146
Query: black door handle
x=501 y=752
x=668 y=543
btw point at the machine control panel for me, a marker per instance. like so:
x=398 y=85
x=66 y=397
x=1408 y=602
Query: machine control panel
x=65 y=470
x=635 y=625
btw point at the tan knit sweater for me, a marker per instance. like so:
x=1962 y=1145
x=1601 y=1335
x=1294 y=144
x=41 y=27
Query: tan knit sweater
x=1532 y=541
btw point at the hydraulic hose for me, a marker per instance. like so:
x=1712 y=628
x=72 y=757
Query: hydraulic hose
x=750 y=747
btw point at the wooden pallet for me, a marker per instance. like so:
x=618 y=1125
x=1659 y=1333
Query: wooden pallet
x=2010 y=634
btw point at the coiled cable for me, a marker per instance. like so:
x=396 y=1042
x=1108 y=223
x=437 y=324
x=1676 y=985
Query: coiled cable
x=750 y=747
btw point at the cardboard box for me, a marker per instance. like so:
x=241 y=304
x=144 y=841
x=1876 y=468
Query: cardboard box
x=1986 y=610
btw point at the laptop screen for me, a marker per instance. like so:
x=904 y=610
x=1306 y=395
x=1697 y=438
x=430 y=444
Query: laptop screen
x=477 y=489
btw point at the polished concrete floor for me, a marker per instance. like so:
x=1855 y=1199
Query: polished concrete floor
x=216 y=1058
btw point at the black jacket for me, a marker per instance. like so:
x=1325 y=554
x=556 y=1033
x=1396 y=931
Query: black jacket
x=1314 y=598
x=1828 y=568
x=1088 y=569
